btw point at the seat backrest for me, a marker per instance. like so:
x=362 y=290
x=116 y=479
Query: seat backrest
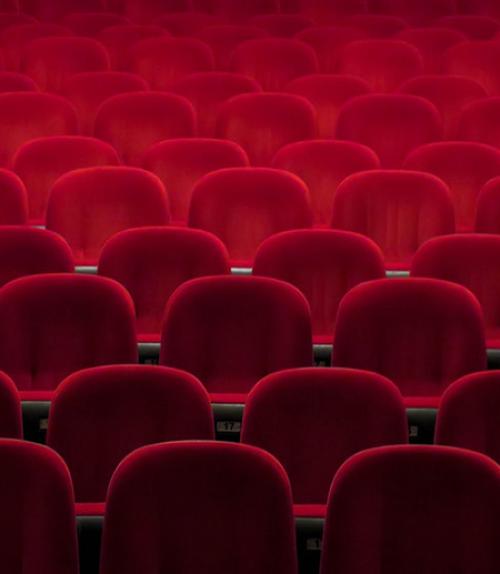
x=282 y=25
x=11 y=418
x=488 y=208
x=328 y=415
x=422 y=334
x=152 y=262
x=244 y=206
x=180 y=163
x=14 y=199
x=391 y=124
x=63 y=323
x=188 y=24
x=263 y=123
x=422 y=532
x=89 y=24
x=479 y=121
x=132 y=123
x=376 y=25
x=324 y=264
x=184 y=495
x=399 y=210
x=232 y=331
x=88 y=206
x=325 y=10
x=147 y=11
x=476 y=60
x=43 y=10
x=414 y=12
x=15 y=82
x=239 y=11
x=92 y=408
x=40 y=162
x=473 y=26
x=465 y=167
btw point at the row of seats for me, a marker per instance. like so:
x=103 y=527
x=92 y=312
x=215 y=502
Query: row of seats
x=169 y=506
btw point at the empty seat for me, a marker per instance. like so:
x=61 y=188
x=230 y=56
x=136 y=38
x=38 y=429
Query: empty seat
x=450 y=94
x=187 y=23
x=13 y=199
x=133 y=122
x=376 y=25
x=274 y=62
x=147 y=11
x=39 y=531
x=282 y=25
x=28 y=115
x=468 y=414
x=49 y=61
x=432 y=43
x=152 y=262
x=399 y=210
x=162 y=61
x=324 y=264
x=31 y=251
x=91 y=23
x=323 y=165
x=328 y=93
x=464 y=166
x=414 y=11
x=232 y=331
x=474 y=26
x=325 y=10
x=171 y=487
x=328 y=415
x=264 y=123
x=119 y=41
x=327 y=41
x=13 y=39
x=476 y=60
x=391 y=124
x=56 y=10
x=154 y=404
x=224 y=38
x=422 y=334
x=88 y=90
x=488 y=208
x=470 y=260
x=14 y=82
x=239 y=11
x=479 y=122
x=384 y=64
x=244 y=206
x=63 y=323
x=207 y=91
x=88 y=206
x=180 y=163
x=420 y=501
x=11 y=424
x=40 y=162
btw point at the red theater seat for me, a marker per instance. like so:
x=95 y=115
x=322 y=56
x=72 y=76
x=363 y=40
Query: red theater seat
x=264 y=123
x=472 y=261
x=391 y=124
x=57 y=9
x=63 y=323
x=324 y=264
x=91 y=23
x=162 y=61
x=468 y=414
x=187 y=23
x=376 y=25
x=282 y=25
x=8 y=19
x=415 y=12
x=232 y=331
x=244 y=206
x=473 y=26
x=383 y=64
x=49 y=61
x=422 y=334
x=207 y=91
x=181 y=163
x=327 y=415
x=152 y=262
x=238 y=11
x=274 y=62
x=477 y=60
x=323 y=165
x=40 y=162
x=479 y=122
x=450 y=94
x=325 y=10
x=39 y=530
x=328 y=93
x=88 y=90
x=327 y=41
x=88 y=206
x=13 y=199
x=464 y=166
x=132 y=123
x=485 y=7
x=11 y=424
x=399 y=210
x=119 y=41
x=421 y=501
x=148 y=11
x=14 y=39
x=488 y=208
x=9 y=6
x=432 y=43
x=28 y=115
x=14 y=82
x=185 y=495
x=154 y=404
x=31 y=251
